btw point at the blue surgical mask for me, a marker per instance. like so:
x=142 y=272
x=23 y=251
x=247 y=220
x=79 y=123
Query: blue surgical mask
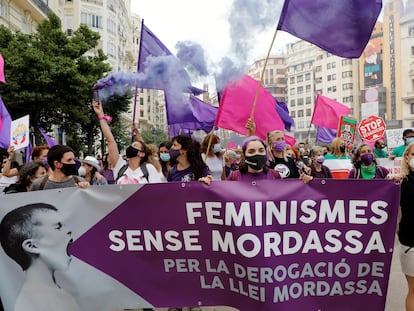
x=409 y=140
x=165 y=157
x=216 y=148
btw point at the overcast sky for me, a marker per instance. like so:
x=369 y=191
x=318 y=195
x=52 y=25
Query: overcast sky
x=208 y=24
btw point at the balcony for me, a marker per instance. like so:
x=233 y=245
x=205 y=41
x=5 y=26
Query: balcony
x=38 y=9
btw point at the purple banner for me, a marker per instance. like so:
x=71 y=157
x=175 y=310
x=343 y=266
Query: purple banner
x=270 y=245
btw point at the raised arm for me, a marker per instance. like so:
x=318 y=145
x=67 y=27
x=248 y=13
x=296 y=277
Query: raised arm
x=137 y=133
x=7 y=170
x=113 y=151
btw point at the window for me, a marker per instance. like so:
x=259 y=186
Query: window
x=308 y=100
x=299 y=78
x=141 y=113
x=412 y=51
x=292 y=103
x=347 y=86
x=346 y=62
x=308 y=88
x=292 y=80
x=300 y=90
x=141 y=101
x=347 y=74
x=111 y=50
x=308 y=112
x=293 y=114
x=332 y=77
x=412 y=108
x=300 y=101
x=318 y=68
x=307 y=76
x=111 y=26
x=332 y=89
x=91 y=20
x=292 y=91
x=300 y=113
x=411 y=31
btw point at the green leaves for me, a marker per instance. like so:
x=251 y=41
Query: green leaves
x=50 y=78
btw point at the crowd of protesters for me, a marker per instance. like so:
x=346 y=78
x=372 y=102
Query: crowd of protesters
x=184 y=159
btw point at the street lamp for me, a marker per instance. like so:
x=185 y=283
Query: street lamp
x=154 y=134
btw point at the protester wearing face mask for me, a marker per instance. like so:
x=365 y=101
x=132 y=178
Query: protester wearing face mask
x=283 y=164
x=165 y=159
x=408 y=138
x=253 y=167
x=318 y=170
x=406 y=224
x=136 y=170
x=365 y=166
x=185 y=152
x=63 y=171
x=379 y=149
x=90 y=165
x=214 y=159
x=338 y=150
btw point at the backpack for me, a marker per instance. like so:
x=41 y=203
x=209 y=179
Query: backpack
x=122 y=170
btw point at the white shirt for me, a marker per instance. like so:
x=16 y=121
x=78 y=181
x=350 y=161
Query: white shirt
x=215 y=165
x=136 y=176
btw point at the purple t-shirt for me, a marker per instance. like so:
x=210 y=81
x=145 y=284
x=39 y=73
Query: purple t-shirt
x=184 y=175
x=249 y=177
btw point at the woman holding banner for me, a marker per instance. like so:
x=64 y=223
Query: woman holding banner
x=253 y=166
x=406 y=225
x=365 y=166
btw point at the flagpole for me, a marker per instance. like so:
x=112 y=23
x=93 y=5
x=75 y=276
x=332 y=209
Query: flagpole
x=262 y=76
x=136 y=86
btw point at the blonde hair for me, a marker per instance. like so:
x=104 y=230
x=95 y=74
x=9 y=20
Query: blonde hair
x=405 y=167
x=269 y=144
x=336 y=147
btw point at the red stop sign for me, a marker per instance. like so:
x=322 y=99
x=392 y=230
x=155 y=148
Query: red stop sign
x=372 y=128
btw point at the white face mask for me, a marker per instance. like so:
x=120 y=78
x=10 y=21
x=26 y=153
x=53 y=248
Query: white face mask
x=411 y=163
x=82 y=171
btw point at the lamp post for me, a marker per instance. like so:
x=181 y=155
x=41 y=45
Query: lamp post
x=154 y=134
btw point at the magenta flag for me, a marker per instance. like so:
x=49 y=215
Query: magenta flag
x=342 y=27
x=2 y=77
x=327 y=112
x=290 y=140
x=5 y=124
x=236 y=105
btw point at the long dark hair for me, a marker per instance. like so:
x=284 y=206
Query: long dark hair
x=164 y=165
x=192 y=147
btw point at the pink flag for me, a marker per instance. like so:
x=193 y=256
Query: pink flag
x=2 y=77
x=327 y=112
x=231 y=145
x=237 y=102
x=290 y=140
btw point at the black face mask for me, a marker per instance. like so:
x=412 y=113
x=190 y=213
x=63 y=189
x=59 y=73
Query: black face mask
x=342 y=148
x=256 y=162
x=131 y=152
x=69 y=169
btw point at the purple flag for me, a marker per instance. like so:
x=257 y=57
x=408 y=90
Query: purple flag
x=150 y=45
x=49 y=140
x=325 y=135
x=185 y=115
x=283 y=111
x=342 y=28
x=5 y=123
x=29 y=149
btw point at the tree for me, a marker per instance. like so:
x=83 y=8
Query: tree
x=50 y=77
